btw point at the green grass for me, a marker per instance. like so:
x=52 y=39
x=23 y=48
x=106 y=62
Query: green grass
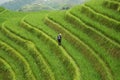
x=85 y=39
x=1 y=9
x=82 y=17
x=41 y=64
x=67 y=59
x=116 y=0
x=35 y=66
x=107 y=31
x=112 y=5
x=102 y=19
x=39 y=43
x=13 y=57
x=103 y=10
x=52 y=33
x=86 y=25
x=6 y=72
x=90 y=43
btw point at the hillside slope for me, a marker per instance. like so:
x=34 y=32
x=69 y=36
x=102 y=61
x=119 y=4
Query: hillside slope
x=90 y=47
x=36 y=5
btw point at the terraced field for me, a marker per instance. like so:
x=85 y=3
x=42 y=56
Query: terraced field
x=90 y=47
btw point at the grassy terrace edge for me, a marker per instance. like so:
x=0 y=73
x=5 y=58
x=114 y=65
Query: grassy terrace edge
x=106 y=31
x=76 y=72
x=66 y=60
x=7 y=67
x=112 y=5
x=31 y=48
x=97 y=58
x=18 y=56
x=75 y=20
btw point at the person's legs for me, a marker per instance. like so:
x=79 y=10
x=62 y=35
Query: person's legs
x=59 y=42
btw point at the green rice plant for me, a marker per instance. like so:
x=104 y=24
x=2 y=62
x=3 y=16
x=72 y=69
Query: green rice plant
x=86 y=69
x=113 y=35
x=16 y=66
x=98 y=7
x=1 y=8
x=30 y=47
x=2 y=20
x=5 y=31
x=78 y=20
x=27 y=55
x=7 y=15
x=112 y=5
x=93 y=54
x=90 y=40
x=63 y=55
x=20 y=59
x=2 y=12
x=52 y=60
x=116 y=0
x=6 y=71
x=46 y=71
x=108 y=22
x=113 y=48
x=47 y=52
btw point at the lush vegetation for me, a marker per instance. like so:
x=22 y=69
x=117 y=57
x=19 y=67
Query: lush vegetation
x=90 y=47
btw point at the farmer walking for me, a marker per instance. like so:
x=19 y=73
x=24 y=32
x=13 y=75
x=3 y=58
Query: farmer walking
x=59 y=38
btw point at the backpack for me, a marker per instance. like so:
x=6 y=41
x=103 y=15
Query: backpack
x=59 y=36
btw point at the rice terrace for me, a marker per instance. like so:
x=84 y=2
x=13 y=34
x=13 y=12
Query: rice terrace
x=90 y=48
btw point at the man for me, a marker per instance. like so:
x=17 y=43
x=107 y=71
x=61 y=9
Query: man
x=59 y=38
